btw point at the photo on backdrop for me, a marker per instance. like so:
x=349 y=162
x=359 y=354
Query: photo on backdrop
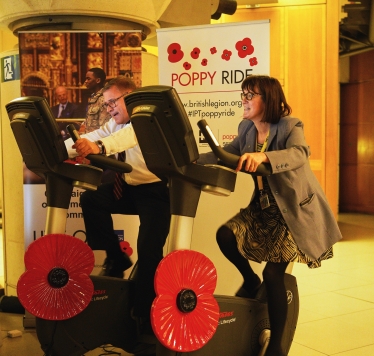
x=55 y=65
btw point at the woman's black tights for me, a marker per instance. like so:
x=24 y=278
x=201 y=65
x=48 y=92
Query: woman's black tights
x=227 y=243
x=273 y=275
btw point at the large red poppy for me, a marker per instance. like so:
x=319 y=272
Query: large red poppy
x=244 y=47
x=185 y=314
x=175 y=53
x=56 y=284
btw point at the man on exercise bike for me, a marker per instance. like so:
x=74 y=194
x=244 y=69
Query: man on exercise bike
x=139 y=192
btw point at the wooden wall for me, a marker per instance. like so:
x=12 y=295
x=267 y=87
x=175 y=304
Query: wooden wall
x=304 y=57
x=357 y=137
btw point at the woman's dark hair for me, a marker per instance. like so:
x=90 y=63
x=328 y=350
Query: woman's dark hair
x=271 y=94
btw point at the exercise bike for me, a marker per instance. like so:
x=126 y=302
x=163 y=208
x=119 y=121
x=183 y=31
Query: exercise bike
x=44 y=153
x=242 y=326
x=238 y=323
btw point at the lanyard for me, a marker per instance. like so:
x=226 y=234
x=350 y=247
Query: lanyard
x=263 y=148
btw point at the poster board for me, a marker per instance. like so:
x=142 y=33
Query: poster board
x=206 y=65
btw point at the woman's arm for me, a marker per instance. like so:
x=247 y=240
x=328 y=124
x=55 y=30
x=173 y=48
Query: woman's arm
x=288 y=149
x=296 y=151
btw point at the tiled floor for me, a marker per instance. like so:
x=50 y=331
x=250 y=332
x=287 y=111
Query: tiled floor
x=336 y=302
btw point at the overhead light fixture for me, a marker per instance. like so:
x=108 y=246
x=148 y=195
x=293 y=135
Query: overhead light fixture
x=225 y=7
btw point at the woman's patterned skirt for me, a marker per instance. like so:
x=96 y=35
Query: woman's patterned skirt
x=263 y=235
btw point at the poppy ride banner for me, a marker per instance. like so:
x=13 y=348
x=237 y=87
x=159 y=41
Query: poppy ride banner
x=206 y=65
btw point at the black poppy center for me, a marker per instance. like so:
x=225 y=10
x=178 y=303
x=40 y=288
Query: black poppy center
x=58 y=277
x=186 y=300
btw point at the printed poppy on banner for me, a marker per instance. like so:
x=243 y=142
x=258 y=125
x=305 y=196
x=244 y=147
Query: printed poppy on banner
x=253 y=61
x=213 y=50
x=56 y=284
x=195 y=53
x=226 y=55
x=175 y=53
x=185 y=313
x=244 y=47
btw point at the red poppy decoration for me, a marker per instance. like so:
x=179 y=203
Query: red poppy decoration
x=244 y=47
x=56 y=284
x=226 y=55
x=195 y=53
x=175 y=53
x=126 y=248
x=185 y=314
x=253 y=61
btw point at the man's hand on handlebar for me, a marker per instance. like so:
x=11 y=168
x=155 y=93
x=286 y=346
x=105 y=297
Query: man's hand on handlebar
x=250 y=161
x=85 y=147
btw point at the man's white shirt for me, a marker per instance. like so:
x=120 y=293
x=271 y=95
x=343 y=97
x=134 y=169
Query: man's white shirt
x=117 y=138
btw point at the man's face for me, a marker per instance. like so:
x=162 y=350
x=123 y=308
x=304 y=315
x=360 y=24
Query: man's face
x=62 y=95
x=117 y=108
x=91 y=81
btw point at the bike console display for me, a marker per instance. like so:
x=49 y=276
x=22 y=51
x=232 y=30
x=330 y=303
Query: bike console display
x=166 y=138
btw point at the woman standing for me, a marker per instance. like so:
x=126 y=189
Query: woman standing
x=288 y=218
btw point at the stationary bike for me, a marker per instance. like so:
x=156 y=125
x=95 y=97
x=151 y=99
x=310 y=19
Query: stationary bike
x=44 y=152
x=169 y=149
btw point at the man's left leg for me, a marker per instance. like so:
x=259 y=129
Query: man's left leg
x=97 y=207
x=153 y=206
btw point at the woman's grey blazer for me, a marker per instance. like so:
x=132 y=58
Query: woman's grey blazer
x=296 y=190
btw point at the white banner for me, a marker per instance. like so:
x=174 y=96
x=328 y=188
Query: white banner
x=35 y=206
x=206 y=65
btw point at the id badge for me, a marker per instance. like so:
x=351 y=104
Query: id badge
x=264 y=201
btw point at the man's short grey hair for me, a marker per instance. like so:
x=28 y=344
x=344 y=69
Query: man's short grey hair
x=122 y=83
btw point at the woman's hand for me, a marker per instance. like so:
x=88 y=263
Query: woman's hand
x=85 y=147
x=250 y=161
